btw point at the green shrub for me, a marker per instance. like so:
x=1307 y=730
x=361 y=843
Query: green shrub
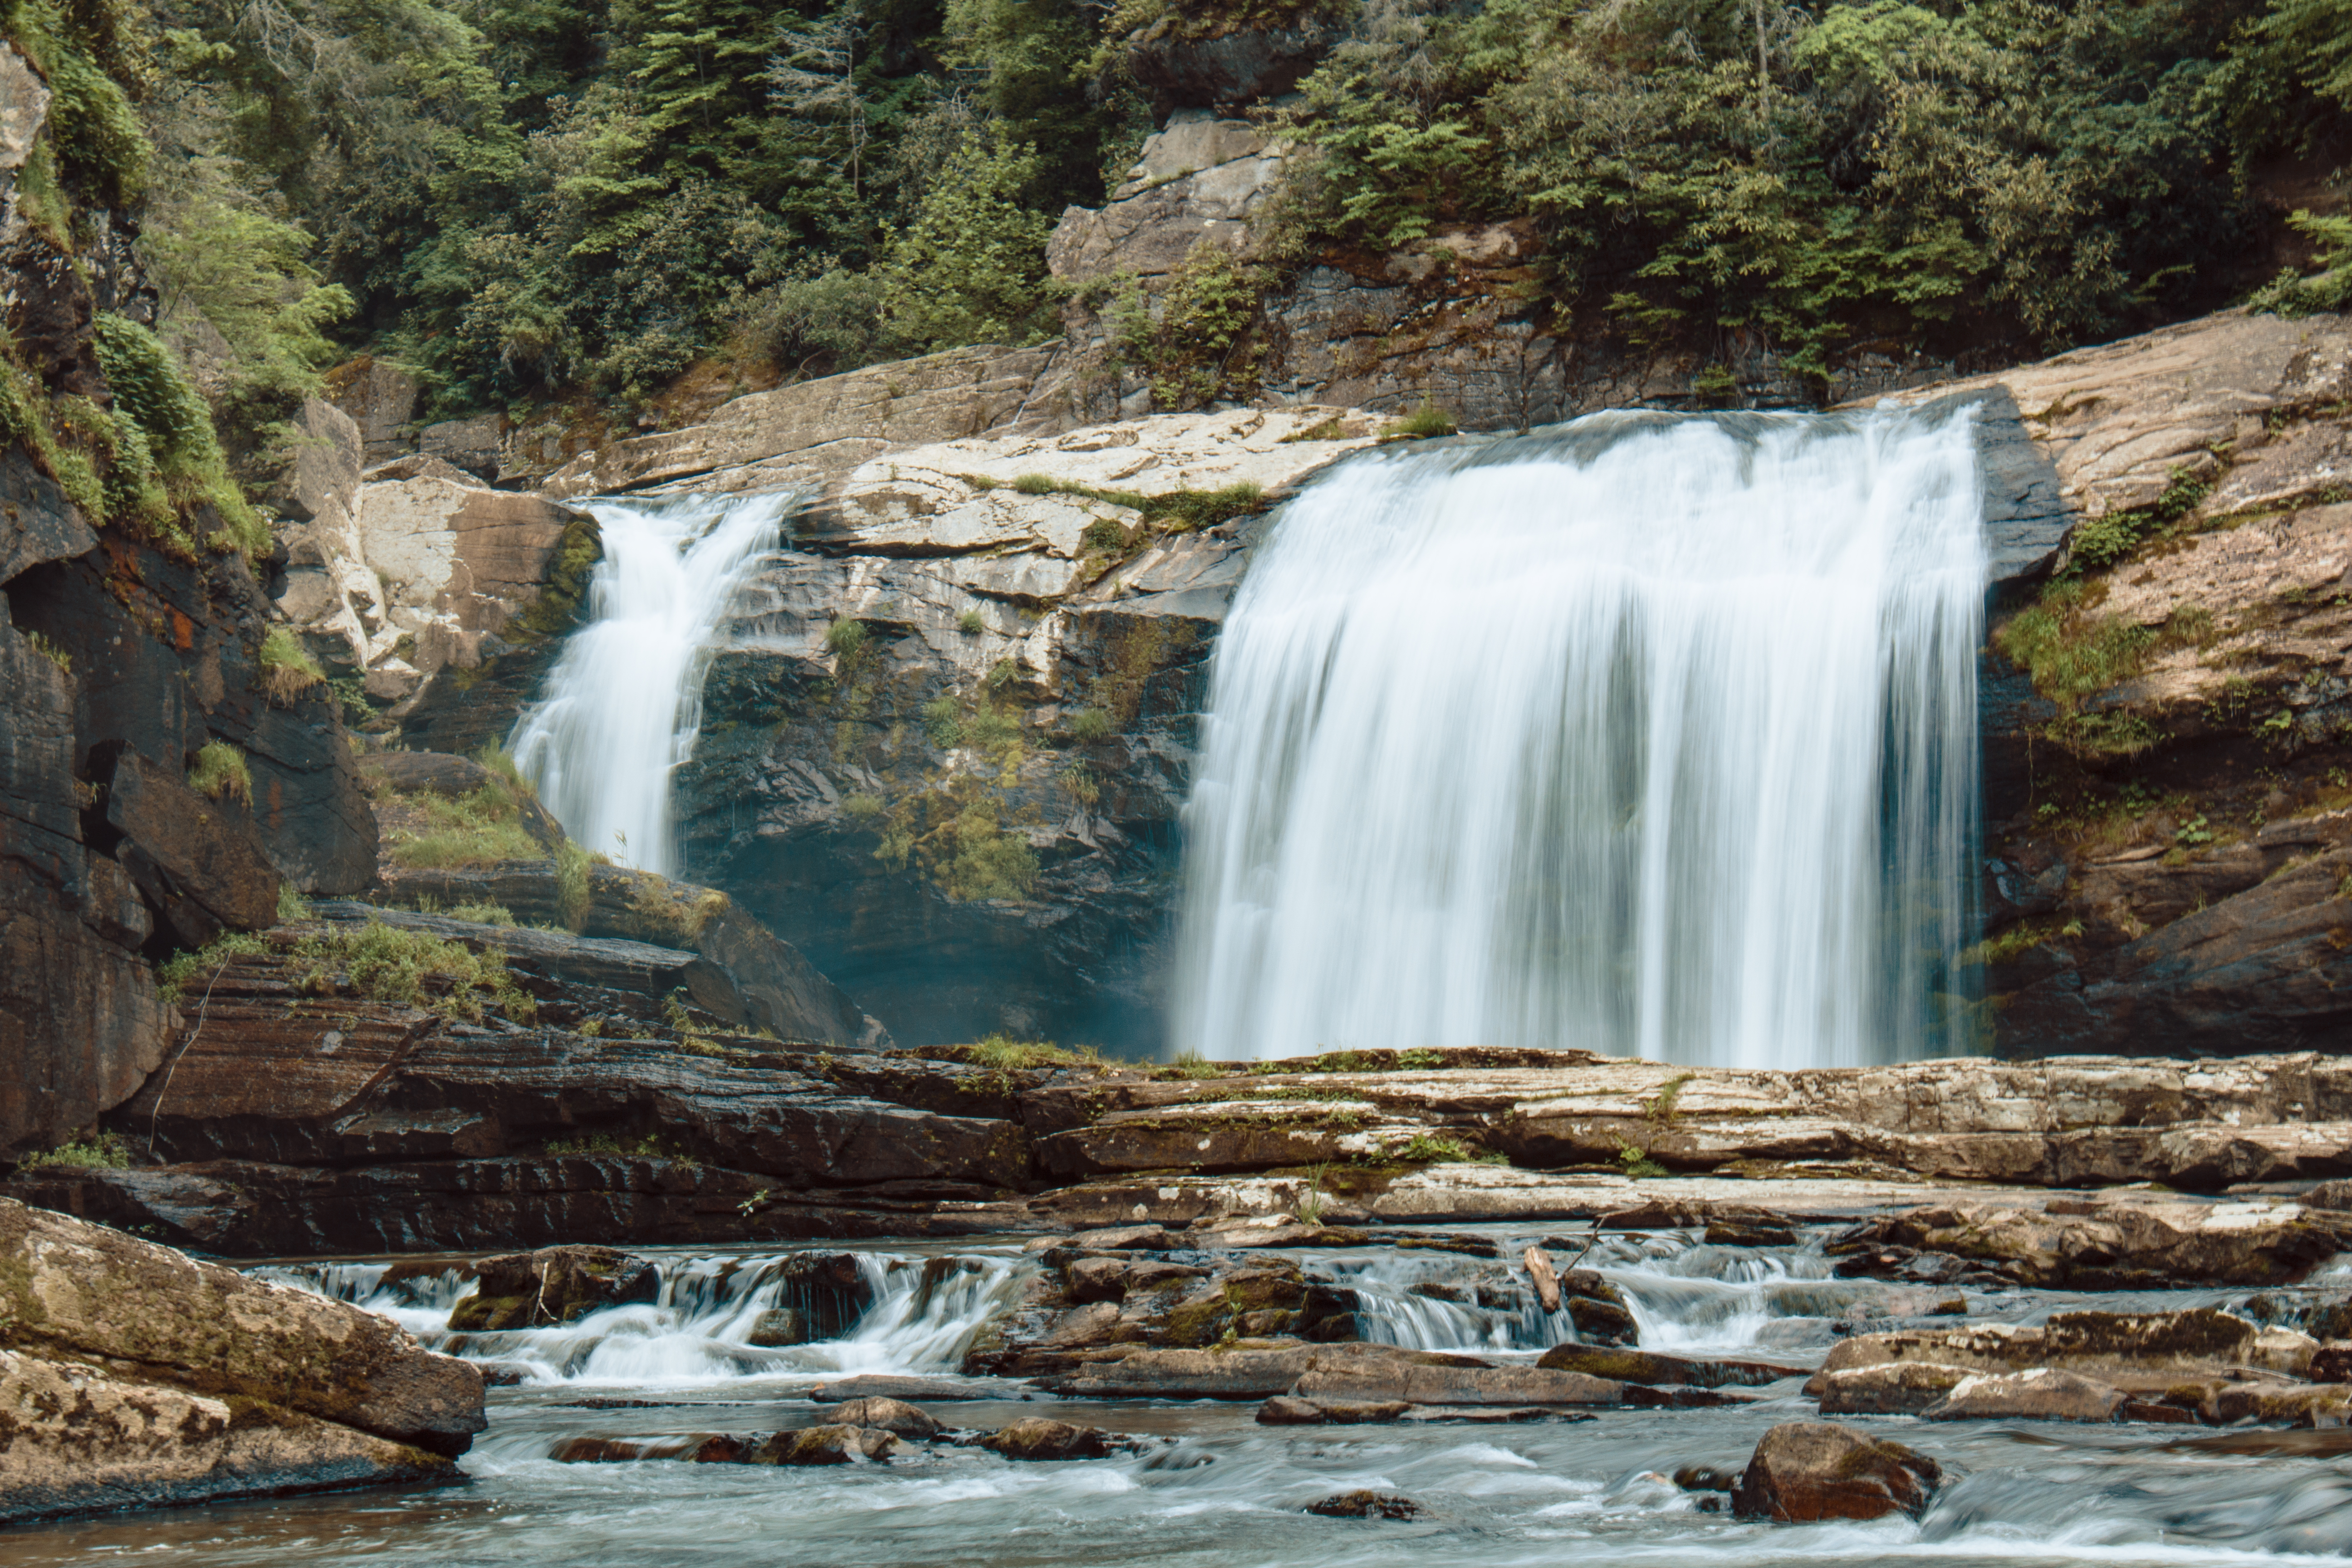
x=150 y=389
x=1195 y=342
x=1090 y=725
x=1426 y=421
x=1037 y=485
x=221 y=771
x=479 y=828
x=410 y=969
x=846 y=637
x=175 y=974
x=971 y=624
x=943 y=722
x=103 y=1151
x=971 y=268
x=2330 y=287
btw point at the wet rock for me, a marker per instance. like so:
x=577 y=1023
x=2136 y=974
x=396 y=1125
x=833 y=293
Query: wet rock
x=1892 y=1388
x=777 y=1327
x=1740 y=1233
x=1603 y=1322
x=1648 y=1367
x=926 y=1390
x=2043 y=1394
x=2132 y=1350
x=1371 y=1379
x=831 y=1444
x=1807 y=1470
x=80 y=1439
x=889 y=1416
x=693 y=1447
x=1285 y=1411
x=198 y=861
x=1237 y=1373
x=1128 y=1238
x=2336 y=1194
x=829 y=1291
x=1704 y=1478
x=1115 y=1278
x=554 y=1285
x=2112 y=1245
x=1364 y=1504
x=1037 y=1438
x=2332 y=1363
x=73 y=1290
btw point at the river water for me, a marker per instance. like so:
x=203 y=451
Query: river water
x=1651 y=734
x=1213 y=1487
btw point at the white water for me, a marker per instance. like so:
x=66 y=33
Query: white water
x=624 y=701
x=697 y=1330
x=1649 y=735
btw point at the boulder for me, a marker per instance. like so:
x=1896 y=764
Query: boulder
x=554 y=1285
x=777 y=1327
x=1362 y=1504
x=69 y=1289
x=829 y=1292
x=1888 y=1388
x=1649 y=1367
x=1036 y=1438
x=380 y=398
x=1284 y=1410
x=1804 y=1471
x=80 y=1439
x=199 y=860
x=2043 y=1394
x=888 y=1416
x=2149 y=1245
x=694 y=1448
x=2133 y=1350
x=1603 y=1322
x=1178 y=63
x=838 y=1444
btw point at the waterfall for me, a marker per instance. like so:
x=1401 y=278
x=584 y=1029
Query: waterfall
x=1651 y=734
x=623 y=701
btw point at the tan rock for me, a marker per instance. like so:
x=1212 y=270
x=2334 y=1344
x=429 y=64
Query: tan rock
x=2138 y=1352
x=2042 y=1393
x=834 y=1444
x=1888 y=1388
x=80 y=1439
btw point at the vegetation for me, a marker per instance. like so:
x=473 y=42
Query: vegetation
x=1434 y=1148
x=411 y=968
x=648 y=1147
x=178 y=974
x=1426 y=421
x=221 y=773
x=49 y=650
x=478 y=828
x=287 y=668
x=102 y=1152
x=1005 y=1054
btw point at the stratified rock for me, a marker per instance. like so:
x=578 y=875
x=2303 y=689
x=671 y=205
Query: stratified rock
x=1366 y=1505
x=1807 y=1470
x=2045 y=1393
x=80 y=1440
x=889 y=1416
x=2133 y=1350
x=828 y=1292
x=830 y=1444
x=1036 y=1438
x=72 y=1289
x=1373 y=1379
x=199 y=860
x=2111 y=1246
x=1649 y=1367
x=554 y=1285
x=927 y=1390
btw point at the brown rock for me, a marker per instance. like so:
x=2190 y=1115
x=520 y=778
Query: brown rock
x=1036 y=1438
x=1366 y=1505
x=693 y=1447
x=1285 y=1411
x=1603 y=1322
x=2151 y=1245
x=554 y=1285
x=1648 y=1367
x=1889 y=1388
x=2043 y=1394
x=81 y=1440
x=838 y=1444
x=200 y=860
x=2133 y=1350
x=777 y=1327
x=889 y=1416
x=1809 y=1471
x=76 y=1290
x=1382 y=1379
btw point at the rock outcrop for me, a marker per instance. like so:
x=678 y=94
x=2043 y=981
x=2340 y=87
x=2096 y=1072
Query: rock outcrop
x=135 y=1376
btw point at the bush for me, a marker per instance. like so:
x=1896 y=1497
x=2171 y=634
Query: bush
x=846 y=637
x=971 y=624
x=175 y=430
x=970 y=268
x=103 y=1151
x=2329 y=288
x=221 y=771
x=287 y=670
x=479 y=828
x=1426 y=421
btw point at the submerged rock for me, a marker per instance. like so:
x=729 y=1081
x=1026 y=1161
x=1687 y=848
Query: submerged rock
x=889 y=1416
x=1366 y=1505
x=1037 y=1438
x=1807 y=1470
x=554 y=1285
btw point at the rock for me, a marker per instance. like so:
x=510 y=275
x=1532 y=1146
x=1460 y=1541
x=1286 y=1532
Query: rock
x=1227 y=70
x=928 y=1390
x=37 y=522
x=380 y=399
x=1603 y=1322
x=198 y=861
x=2332 y=1363
x=1804 y=1471
x=2134 y=1352
x=1888 y=1388
x=2043 y=1394
x=554 y=1285
x=1364 y=1504
x=889 y=1416
x=777 y=1327
x=829 y=1445
x=1648 y=1367
x=1286 y=1411
x=1739 y=1233
x=474 y=445
x=1036 y=1438
x=72 y=1289
x=1201 y=179
x=693 y=1447
x=1384 y=1379
x=2336 y=1194
x=82 y=1440
x=2115 y=1246
x=1235 y=1373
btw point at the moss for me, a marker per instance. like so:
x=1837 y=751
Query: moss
x=153 y=391
x=478 y=828
x=1332 y=429
x=557 y=609
x=287 y=668
x=1003 y=1053
x=846 y=637
x=221 y=773
x=410 y=968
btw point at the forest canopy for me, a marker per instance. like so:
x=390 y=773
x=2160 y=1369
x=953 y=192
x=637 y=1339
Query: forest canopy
x=522 y=198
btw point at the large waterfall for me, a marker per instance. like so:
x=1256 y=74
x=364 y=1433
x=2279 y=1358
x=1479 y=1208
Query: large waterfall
x=1648 y=733
x=624 y=699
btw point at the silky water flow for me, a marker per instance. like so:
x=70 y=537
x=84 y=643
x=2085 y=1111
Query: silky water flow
x=623 y=701
x=1652 y=734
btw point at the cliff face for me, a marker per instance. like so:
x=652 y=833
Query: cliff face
x=125 y=653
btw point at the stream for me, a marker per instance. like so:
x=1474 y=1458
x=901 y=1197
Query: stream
x=1215 y=1488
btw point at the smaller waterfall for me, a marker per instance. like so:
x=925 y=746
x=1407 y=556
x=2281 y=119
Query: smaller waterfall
x=924 y=1315
x=623 y=704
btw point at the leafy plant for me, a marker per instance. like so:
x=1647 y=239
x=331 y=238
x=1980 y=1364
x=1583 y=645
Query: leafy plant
x=49 y=650
x=1638 y=1163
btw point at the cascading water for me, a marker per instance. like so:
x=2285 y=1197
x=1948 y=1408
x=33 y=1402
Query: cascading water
x=624 y=702
x=1651 y=734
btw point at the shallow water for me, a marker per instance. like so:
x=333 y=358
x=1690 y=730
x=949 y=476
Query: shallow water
x=1214 y=1488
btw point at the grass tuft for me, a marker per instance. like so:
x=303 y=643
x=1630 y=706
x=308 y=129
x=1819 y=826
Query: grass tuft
x=221 y=773
x=287 y=670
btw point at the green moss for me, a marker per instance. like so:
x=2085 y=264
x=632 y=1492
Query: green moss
x=221 y=773
x=152 y=391
x=1004 y=1054
x=1332 y=429
x=1430 y=1148
x=479 y=828
x=557 y=609
x=971 y=624
x=846 y=637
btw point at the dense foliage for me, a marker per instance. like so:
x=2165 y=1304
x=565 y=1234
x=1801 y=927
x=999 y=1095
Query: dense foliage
x=522 y=197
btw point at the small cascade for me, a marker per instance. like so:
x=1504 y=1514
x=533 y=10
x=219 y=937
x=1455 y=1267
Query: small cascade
x=623 y=703
x=923 y=1315
x=1650 y=734
x=1428 y=1302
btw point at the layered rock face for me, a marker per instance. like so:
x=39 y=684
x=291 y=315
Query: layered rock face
x=136 y=1376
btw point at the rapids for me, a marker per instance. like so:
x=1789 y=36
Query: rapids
x=624 y=702
x=1215 y=1490
x=1650 y=734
